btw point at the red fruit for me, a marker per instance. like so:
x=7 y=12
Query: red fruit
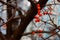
x=37 y=20
x=40 y=31
x=39 y=14
x=38 y=11
x=38 y=5
x=36 y=17
x=38 y=8
x=50 y=13
x=40 y=35
x=45 y=13
x=33 y=33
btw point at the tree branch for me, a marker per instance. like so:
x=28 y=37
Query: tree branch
x=36 y=32
x=31 y=13
x=13 y=6
x=2 y=37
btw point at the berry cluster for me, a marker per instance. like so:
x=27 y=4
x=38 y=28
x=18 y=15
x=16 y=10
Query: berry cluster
x=39 y=13
x=39 y=31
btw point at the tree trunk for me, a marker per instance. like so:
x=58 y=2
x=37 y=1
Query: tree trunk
x=9 y=24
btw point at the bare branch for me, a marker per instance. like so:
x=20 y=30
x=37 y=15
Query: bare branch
x=36 y=32
x=13 y=6
x=2 y=37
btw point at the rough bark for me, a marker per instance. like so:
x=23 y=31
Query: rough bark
x=9 y=24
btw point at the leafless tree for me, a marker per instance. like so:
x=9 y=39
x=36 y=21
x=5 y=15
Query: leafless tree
x=25 y=20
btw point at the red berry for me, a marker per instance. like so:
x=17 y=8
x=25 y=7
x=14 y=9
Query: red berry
x=38 y=11
x=40 y=31
x=50 y=13
x=37 y=20
x=39 y=14
x=45 y=13
x=38 y=5
x=33 y=33
x=36 y=17
x=40 y=35
x=38 y=8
